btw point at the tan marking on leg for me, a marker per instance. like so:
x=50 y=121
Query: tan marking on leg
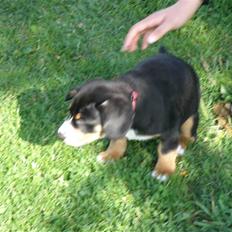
x=115 y=150
x=186 y=132
x=186 y=127
x=166 y=163
x=184 y=141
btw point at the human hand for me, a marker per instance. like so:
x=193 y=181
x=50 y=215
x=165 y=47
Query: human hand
x=156 y=25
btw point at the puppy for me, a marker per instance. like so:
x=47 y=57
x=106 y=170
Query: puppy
x=158 y=98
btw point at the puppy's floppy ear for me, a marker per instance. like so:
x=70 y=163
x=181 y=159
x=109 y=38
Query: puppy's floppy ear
x=72 y=93
x=116 y=117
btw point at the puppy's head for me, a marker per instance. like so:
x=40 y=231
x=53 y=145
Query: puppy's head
x=98 y=109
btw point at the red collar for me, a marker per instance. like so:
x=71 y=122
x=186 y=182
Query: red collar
x=134 y=97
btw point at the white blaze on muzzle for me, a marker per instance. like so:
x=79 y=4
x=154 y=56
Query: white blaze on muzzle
x=75 y=137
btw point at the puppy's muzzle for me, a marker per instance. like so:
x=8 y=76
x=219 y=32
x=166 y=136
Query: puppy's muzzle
x=61 y=135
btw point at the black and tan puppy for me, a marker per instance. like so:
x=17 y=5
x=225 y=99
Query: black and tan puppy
x=159 y=97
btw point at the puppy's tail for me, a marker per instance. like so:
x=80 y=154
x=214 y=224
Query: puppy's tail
x=162 y=49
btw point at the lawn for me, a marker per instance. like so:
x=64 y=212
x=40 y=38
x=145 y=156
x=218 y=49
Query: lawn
x=47 y=47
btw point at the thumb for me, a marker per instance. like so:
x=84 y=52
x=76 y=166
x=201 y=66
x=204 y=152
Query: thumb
x=158 y=33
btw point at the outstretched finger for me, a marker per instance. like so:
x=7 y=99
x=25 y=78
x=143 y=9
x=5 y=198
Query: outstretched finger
x=131 y=40
x=158 y=33
x=133 y=44
x=145 y=37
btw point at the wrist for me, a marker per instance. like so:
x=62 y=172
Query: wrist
x=183 y=10
x=189 y=6
x=194 y=3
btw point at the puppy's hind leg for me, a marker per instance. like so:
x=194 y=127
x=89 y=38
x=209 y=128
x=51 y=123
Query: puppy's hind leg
x=166 y=164
x=188 y=133
x=115 y=150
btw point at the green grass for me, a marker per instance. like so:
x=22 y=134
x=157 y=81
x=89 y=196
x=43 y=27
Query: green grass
x=46 y=47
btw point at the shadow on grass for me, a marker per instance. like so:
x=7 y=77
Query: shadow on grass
x=41 y=113
x=193 y=202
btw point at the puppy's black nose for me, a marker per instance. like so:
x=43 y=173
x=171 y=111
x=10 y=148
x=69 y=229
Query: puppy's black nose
x=61 y=136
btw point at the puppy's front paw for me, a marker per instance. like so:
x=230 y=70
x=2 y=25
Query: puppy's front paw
x=100 y=158
x=103 y=158
x=160 y=177
x=180 y=150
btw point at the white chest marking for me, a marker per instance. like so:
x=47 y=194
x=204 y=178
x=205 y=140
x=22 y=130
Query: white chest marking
x=131 y=135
